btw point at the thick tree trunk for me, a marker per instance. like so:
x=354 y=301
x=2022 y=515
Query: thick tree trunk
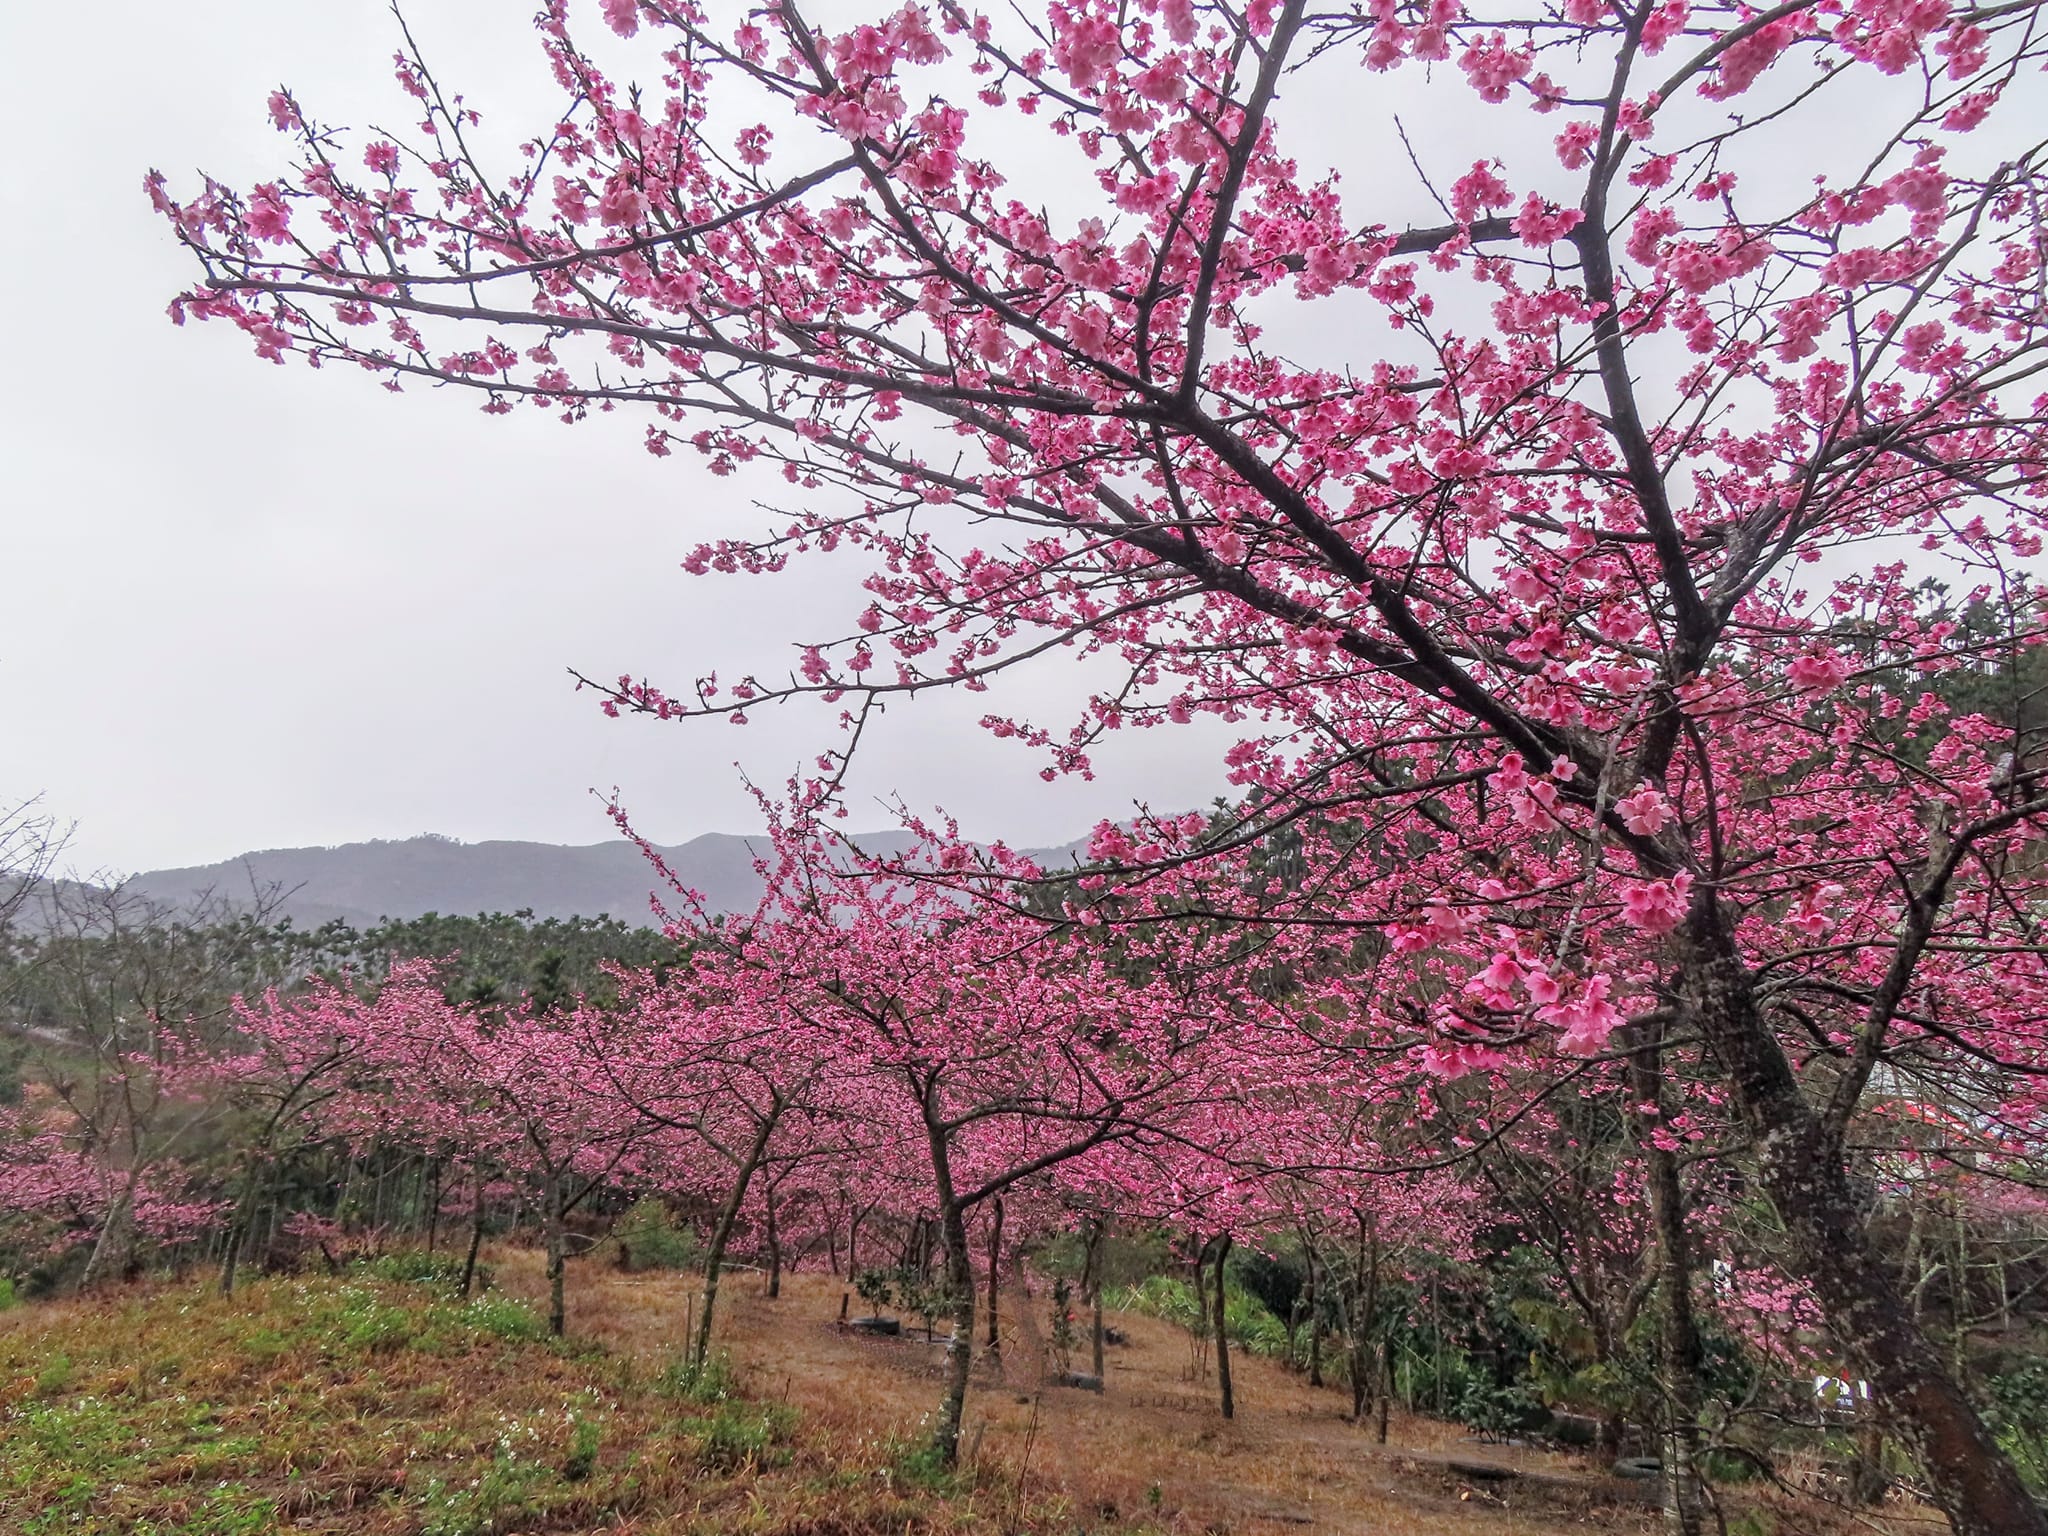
x=231 y=1255
x=1803 y=1175
x=1229 y=1398
x=774 y=1253
x=1361 y=1358
x=1679 y=1338
x=1868 y=1481
x=116 y=1238
x=1095 y=1337
x=346 y=1188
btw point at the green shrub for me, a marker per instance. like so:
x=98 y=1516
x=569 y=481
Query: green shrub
x=265 y=1344
x=876 y=1287
x=1495 y=1412
x=7 y=1296
x=1163 y=1297
x=378 y=1327
x=2018 y=1412
x=1251 y=1325
x=648 y=1239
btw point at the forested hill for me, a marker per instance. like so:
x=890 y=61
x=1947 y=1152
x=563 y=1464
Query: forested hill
x=362 y=882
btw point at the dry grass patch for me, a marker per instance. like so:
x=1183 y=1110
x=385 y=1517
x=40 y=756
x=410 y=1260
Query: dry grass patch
x=362 y=1405
x=1151 y=1452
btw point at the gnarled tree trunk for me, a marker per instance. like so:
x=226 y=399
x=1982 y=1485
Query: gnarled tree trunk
x=1802 y=1173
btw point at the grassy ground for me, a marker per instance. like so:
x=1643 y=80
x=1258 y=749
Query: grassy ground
x=370 y=1405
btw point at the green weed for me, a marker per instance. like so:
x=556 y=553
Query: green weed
x=712 y=1382
x=492 y=1501
x=738 y=1434
x=585 y=1439
x=55 y=1377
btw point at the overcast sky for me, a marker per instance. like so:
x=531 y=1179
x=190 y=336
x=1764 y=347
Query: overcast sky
x=254 y=606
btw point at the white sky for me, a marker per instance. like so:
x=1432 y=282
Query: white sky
x=254 y=606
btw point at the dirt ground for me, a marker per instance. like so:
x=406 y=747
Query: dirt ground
x=1152 y=1446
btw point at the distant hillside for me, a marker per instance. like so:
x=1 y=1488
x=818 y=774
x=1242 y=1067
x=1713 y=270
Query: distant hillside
x=362 y=882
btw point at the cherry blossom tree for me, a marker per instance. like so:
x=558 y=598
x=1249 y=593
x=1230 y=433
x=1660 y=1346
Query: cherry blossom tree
x=1549 y=525
x=703 y=1062
x=292 y=1058
x=978 y=1050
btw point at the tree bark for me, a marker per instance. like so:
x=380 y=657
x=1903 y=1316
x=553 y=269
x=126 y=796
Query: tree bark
x=1315 y=1327
x=960 y=1281
x=1681 y=1353
x=243 y=1223
x=995 y=1262
x=1868 y=1481
x=1802 y=1173
x=551 y=1226
x=1096 y=1238
x=116 y=1237
x=1386 y=1385
x=1229 y=1398
x=721 y=1235
x=476 y=1234
x=1364 y=1303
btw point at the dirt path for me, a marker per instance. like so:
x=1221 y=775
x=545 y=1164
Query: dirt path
x=1153 y=1441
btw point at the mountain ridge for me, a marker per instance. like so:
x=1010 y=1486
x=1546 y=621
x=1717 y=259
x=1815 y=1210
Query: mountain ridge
x=361 y=883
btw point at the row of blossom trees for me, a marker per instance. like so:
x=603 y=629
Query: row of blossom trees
x=896 y=1045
